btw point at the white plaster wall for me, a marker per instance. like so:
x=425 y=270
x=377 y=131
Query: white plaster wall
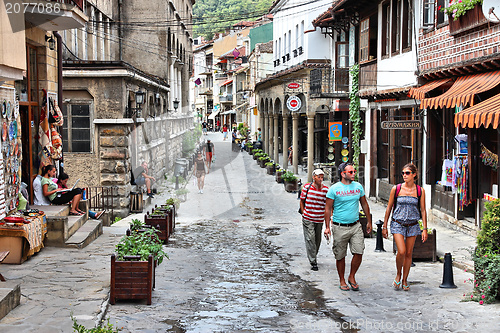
x=397 y=71
x=289 y=14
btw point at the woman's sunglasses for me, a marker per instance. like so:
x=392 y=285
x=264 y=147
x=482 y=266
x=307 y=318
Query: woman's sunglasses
x=406 y=173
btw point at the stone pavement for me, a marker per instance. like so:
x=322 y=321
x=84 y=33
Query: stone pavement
x=57 y=282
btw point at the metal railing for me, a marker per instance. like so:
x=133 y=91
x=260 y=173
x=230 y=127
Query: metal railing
x=329 y=81
x=101 y=198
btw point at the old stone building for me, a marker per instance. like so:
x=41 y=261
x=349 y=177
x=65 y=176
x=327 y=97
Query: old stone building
x=126 y=92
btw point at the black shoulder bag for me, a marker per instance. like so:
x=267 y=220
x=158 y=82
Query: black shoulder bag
x=300 y=210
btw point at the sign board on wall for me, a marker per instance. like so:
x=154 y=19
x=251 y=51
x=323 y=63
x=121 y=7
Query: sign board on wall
x=335 y=131
x=293 y=103
x=401 y=124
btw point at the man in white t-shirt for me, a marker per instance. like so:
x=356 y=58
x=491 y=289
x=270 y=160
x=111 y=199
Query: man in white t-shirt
x=39 y=198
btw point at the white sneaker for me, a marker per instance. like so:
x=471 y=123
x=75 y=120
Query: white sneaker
x=201 y=191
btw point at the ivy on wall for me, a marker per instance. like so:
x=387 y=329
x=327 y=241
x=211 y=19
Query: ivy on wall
x=354 y=116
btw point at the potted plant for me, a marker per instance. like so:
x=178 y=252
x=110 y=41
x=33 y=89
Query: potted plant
x=132 y=267
x=249 y=148
x=486 y=256
x=257 y=155
x=464 y=15
x=181 y=194
x=279 y=175
x=290 y=181
x=270 y=167
x=263 y=160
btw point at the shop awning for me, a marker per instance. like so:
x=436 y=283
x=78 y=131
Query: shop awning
x=485 y=113
x=213 y=114
x=419 y=92
x=226 y=82
x=229 y=112
x=464 y=89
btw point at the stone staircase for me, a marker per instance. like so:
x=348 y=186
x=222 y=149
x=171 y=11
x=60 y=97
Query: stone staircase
x=64 y=230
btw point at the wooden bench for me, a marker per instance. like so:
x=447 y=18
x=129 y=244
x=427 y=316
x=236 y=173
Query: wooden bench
x=3 y=255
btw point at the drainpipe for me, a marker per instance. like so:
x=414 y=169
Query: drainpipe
x=60 y=87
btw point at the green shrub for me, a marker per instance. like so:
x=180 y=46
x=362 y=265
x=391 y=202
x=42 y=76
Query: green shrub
x=106 y=328
x=289 y=177
x=181 y=191
x=141 y=244
x=488 y=239
x=270 y=164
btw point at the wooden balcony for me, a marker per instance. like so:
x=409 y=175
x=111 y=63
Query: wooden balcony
x=329 y=83
x=368 y=78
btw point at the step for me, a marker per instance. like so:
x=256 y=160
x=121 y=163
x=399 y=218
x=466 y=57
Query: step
x=10 y=296
x=85 y=235
x=53 y=210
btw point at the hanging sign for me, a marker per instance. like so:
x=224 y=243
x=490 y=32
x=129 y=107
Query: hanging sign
x=401 y=124
x=293 y=85
x=293 y=103
x=335 y=130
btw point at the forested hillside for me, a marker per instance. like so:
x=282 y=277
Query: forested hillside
x=211 y=16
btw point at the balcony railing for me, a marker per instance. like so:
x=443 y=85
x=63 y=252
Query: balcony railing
x=327 y=82
x=226 y=98
x=205 y=91
x=101 y=198
x=220 y=76
x=368 y=78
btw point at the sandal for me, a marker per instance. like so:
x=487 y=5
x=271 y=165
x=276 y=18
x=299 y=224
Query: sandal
x=396 y=284
x=344 y=288
x=354 y=286
x=406 y=287
x=75 y=213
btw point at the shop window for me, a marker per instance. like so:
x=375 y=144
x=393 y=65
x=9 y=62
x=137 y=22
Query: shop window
x=76 y=129
x=368 y=39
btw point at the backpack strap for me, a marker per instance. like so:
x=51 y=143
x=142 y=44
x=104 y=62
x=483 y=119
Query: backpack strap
x=419 y=194
x=398 y=189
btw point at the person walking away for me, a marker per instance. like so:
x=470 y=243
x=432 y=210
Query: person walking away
x=209 y=153
x=199 y=171
x=59 y=196
x=204 y=127
x=143 y=178
x=62 y=182
x=224 y=130
x=407 y=203
x=344 y=198
x=290 y=155
x=312 y=206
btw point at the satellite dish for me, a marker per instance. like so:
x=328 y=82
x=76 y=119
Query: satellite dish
x=491 y=10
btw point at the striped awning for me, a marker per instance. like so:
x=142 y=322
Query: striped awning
x=485 y=113
x=419 y=92
x=226 y=83
x=462 y=92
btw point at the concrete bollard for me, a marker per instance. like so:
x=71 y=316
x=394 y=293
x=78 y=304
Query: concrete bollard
x=380 y=240
x=447 y=273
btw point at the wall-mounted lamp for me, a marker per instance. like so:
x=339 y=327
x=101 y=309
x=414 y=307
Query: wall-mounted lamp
x=139 y=100
x=139 y=97
x=176 y=104
x=51 y=42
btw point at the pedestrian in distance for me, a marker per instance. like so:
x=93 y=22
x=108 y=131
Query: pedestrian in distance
x=407 y=203
x=224 y=130
x=312 y=207
x=290 y=154
x=209 y=150
x=343 y=198
x=200 y=171
x=204 y=127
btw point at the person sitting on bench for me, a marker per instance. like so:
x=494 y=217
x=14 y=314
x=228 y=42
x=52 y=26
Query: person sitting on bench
x=62 y=182
x=142 y=177
x=59 y=196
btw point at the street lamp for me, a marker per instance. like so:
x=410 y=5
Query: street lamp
x=139 y=100
x=176 y=104
x=51 y=42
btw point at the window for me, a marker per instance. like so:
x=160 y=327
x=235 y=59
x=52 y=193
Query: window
x=407 y=26
x=76 y=129
x=386 y=28
x=396 y=25
x=368 y=38
x=297 y=36
x=441 y=16
x=429 y=11
x=301 y=33
x=289 y=49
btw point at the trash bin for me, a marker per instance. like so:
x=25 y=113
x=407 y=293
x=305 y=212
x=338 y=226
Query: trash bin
x=181 y=167
x=136 y=203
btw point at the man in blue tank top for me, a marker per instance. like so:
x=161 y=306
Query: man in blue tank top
x=343 y=198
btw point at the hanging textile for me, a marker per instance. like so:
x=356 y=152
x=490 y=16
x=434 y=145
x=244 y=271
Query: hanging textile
x=488 y=157
x=462 y=177
x=447 y=173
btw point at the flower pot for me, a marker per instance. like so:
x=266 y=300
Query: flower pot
x=255 y=157
x=131 y=279
x=422 y=251
x=278 y=176
x=270 y=170
x=160 y=222
x=291 y=186
x=263 y=162
x=472 y=19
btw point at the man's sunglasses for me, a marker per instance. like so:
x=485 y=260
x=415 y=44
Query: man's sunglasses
x=351 y=172
x=406 y=173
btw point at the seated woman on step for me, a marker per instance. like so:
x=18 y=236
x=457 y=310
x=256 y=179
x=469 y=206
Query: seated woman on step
x=59 y=196
x=62 y=182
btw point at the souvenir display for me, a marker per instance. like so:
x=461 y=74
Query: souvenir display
x=4 y=108
x=488 y=157
x=16 y=110
x=345 y=140
x=345 y=159
x=16 y=149
x=8 y=110
x=344 y=152
x=5 y=131
x=13 y=130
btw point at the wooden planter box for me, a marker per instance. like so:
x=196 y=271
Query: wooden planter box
x=278 y=176
x=271 y=170
x=364 y=222
x=160 y=222
x=472 y=19
x=262 y=163
x=423 y=251
x=255 y=157
x=292 y=186
x=171 y=216
x=131 y=279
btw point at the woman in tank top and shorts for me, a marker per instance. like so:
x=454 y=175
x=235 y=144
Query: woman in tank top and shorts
x=407 y=203
x=200 y=171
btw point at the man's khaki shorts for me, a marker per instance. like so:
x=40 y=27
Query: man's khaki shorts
x=342 y=236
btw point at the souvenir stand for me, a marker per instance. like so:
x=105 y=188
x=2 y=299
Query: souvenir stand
x=20 y=233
